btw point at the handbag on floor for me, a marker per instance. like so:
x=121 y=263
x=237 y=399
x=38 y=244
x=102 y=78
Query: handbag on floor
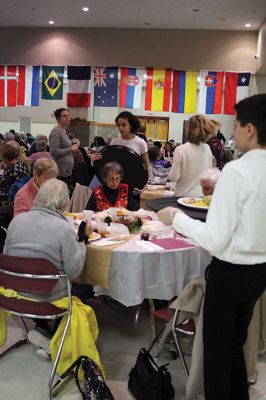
x=94 y=386
x=148 y=381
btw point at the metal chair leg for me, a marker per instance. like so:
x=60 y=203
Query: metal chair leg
x=26 y=329
x=50 y=384
x=180 y=352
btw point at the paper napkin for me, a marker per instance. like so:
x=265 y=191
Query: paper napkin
x=149 y=246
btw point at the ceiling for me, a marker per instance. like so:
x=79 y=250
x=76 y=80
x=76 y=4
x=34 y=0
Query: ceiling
x=162 y=14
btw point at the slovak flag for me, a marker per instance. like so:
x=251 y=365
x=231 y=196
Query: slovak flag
x=8 y=85
x=236 y=89
x=28 y=85
x=210 y=92
x=130 y=87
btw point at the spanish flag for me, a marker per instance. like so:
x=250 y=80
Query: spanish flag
x=158 y=89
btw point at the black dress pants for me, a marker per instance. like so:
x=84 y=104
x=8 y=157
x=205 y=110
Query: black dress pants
x=231 y=293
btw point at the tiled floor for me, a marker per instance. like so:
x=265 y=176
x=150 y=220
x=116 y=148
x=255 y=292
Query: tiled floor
x=24 y=376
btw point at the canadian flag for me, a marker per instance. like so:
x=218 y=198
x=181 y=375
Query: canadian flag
x=8 y=85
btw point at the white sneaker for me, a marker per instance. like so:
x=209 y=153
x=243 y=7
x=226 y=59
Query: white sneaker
x=42 y=353
x=39 y=340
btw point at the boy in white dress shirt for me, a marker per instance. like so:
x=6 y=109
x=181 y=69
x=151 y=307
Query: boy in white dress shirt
x=235 y=234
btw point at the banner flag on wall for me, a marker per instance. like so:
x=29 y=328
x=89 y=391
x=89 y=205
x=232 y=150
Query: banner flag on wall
x=210 y=92
x=130 y=87
x=28 y=85
x=105 y=86
x=8 y=85
x=184 y=92
x=158 y=87
x=52 y=82
x=236 y=89
x=78 y=86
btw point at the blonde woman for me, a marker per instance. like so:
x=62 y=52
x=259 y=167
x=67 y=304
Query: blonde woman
x=192 y=158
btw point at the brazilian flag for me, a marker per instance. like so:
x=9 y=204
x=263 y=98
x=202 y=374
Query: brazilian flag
x=52 y=82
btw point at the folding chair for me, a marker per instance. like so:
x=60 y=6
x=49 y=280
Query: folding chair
x=79 y=198
x=34 y=276
x=186 y=306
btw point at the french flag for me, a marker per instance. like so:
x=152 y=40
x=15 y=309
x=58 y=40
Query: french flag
x=236 y=89
x=130 y=87
x=28 y=85
x=210 y=92
x=78 y=89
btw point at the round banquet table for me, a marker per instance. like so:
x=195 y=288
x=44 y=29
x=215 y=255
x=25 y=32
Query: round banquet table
x=130 y=274
x=158 y=204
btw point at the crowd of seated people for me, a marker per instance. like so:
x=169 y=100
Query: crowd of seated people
x=36 y=209
x=20 y=152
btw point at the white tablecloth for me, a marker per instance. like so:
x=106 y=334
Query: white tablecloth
x=136 y=274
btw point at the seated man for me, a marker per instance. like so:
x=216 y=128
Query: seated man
x=44 y=232
x=112 y=193
x=43 y=170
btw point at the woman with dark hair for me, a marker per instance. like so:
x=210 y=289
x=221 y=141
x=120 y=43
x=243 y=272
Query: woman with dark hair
x=14 y=168
x=99 y=142
x=216 y=146
x=61 y=147
x=128 y=126
x=167 y=150
x=112 y=193
x=192 y=158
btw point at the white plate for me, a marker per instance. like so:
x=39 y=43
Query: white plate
x=94 y=236
x=182 y=201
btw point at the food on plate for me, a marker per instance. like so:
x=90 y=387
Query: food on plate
x=75 y=216
x=199 y=201
x=94 y=236
x=121 y=211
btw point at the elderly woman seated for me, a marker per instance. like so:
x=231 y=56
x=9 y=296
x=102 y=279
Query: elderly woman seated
x=14 y=168
x=112 y=193
x=43 y=169
x=208 y=180
x=15 y=175
x=44 y=232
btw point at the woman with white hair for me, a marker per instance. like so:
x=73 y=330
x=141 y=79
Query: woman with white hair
x=208 y=180
x=44 y=232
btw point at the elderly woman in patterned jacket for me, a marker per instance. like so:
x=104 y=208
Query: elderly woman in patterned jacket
x=112 y=193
